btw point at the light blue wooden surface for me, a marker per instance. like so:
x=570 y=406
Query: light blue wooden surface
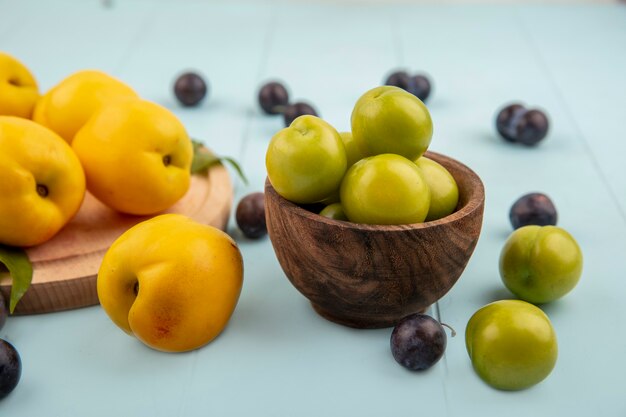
x=277 y=357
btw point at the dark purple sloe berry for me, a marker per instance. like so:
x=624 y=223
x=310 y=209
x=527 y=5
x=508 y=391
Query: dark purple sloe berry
x=190 y=89
x=295 y=110
x=533 y=209
x=418 y=341
x=401 y=79
x=507 y=121
x=515 y=123
x=418 y=85
x=422 y=87
x=250 y=215
x=273 y=97
x=10 y=368
x=532 y=127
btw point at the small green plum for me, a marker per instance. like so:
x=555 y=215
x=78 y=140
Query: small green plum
x=354 y=150
x=306 y=161
x=540 y=264
x=385 y=189
x=387 y=119
x=444 y=192
x=334 y=211
x=512 y=344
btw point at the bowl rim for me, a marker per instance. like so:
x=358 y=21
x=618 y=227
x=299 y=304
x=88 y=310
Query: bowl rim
x=475 y=201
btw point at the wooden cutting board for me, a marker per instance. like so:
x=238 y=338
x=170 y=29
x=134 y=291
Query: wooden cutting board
x=65 y=267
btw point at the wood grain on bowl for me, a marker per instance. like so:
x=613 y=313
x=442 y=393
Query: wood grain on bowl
x=65 y=267
x=370 y=276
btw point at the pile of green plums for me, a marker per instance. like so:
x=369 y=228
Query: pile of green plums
x=375 y=174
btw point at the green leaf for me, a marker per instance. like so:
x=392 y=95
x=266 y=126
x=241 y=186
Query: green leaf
x=203 y=159
x=236 y=166
x=20 y=269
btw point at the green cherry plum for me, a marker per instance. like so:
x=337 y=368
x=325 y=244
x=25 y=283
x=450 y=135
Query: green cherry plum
x=354 y=150
x=540 y=264
x=306 y=161
x=512 y=344
x=334 y=211
x=444 y=192
x=387 y=119
x=385 y=189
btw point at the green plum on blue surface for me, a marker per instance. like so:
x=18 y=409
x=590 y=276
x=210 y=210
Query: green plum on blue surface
x=512 y=344
x=540 y=264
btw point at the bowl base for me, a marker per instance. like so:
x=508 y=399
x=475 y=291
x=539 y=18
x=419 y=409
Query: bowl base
x=360 y=323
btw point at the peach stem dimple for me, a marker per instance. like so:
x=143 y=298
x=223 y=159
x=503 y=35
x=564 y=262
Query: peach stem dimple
x=167 y=159
x=42 y=190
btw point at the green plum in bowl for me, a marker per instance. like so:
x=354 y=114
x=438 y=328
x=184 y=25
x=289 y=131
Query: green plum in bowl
x=388 y=119
x=372 y=275
x=306 y=161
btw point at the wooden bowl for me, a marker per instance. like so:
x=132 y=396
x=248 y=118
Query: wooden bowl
x=371 y=276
